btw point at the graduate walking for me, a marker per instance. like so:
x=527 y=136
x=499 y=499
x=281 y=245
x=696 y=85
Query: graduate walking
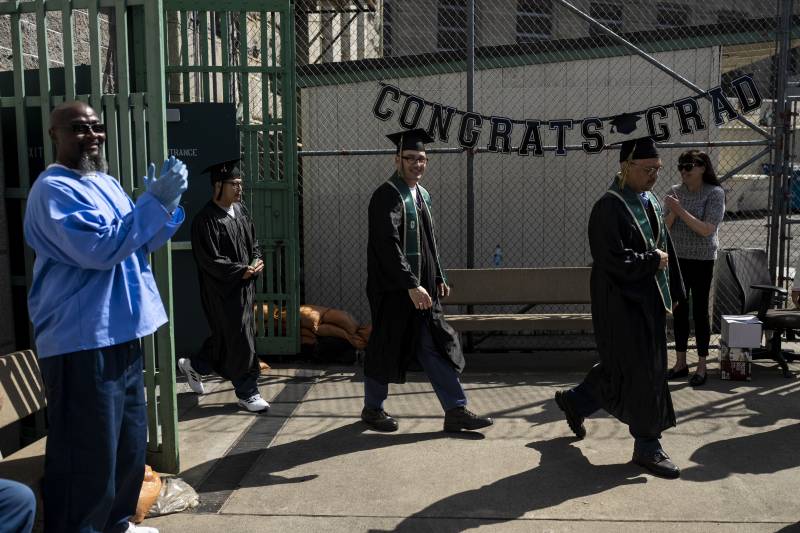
x=229 y=262
x=635 y=280
x=404 y=283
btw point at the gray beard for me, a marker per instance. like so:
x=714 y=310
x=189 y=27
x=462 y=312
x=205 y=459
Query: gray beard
x=88 y=164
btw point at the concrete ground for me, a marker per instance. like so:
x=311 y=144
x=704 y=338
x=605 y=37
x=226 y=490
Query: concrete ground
x=311 y=465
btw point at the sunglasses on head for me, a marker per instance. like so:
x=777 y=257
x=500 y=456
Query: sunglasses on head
x=83 y=128
x=689 y=166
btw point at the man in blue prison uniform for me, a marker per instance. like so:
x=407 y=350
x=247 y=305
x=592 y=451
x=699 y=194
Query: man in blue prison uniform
x=92 y=298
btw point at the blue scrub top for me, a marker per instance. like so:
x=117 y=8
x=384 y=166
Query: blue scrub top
x=92 y=285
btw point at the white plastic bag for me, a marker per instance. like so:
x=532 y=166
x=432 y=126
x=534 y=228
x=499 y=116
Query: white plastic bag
x=176 y=495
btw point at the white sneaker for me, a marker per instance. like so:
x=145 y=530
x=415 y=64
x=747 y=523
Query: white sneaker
x=133 y=528
x=194 y=379
x=254 y=404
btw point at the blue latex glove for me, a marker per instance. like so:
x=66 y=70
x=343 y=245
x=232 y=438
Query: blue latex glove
x=170 y=185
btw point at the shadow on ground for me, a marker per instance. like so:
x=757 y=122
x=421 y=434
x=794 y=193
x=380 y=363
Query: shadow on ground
x=514 y=496
x=351 y=438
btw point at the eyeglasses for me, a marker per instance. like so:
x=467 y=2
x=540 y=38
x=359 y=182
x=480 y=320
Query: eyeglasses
x=651 y=171
x=83 y=128
x=689 y=166
x=421 y=160
x=235 y=184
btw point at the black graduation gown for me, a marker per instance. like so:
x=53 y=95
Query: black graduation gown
x=223 y=247
x=396 y=323
x=629 y=320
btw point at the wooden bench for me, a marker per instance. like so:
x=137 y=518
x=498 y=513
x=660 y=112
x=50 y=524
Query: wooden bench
x=519 y=286
x=22 y=394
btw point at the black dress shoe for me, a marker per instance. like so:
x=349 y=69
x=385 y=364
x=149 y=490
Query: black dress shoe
x=675 y=374
x=378 y=420
x=574 y=420
x=698 y=379
x=460 y=418
x=658 y=463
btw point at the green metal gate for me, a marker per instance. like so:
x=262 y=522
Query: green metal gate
x=242 y=52
x=119 y=41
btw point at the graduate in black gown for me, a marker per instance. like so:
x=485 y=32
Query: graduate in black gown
x=635 y=281
x=404 y=283
x=229 y=262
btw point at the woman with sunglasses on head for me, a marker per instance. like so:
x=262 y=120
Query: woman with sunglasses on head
x=694 y=210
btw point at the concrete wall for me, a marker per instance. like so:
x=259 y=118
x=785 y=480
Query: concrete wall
x=535 y=208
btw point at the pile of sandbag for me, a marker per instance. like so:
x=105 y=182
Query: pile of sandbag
x=151 y=488
x=278 y=319
x=318 y=321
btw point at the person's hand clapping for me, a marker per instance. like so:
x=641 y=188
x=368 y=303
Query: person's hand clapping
x=672 y=203
x=170 y=185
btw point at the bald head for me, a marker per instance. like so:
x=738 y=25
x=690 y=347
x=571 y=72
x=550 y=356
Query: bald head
x=63 y=114
x=76 y=131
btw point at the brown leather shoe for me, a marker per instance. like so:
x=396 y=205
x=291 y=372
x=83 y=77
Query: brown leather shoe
x=460 y=418
x=658 y=463
x=378 y=420
x=574 y=420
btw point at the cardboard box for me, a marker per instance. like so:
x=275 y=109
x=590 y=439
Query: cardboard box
x=741 y=331
x=735 y=364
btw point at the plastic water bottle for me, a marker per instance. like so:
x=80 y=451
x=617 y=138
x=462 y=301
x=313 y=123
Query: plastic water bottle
x=497 y=258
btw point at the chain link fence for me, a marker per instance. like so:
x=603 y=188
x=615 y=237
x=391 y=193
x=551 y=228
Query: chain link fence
x=534 y=59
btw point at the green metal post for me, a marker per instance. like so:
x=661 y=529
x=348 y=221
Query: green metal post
x=168 y=459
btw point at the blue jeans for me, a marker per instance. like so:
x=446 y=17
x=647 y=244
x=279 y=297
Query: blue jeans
x=96 y=440
x=244 y=386
x=442 y=375
x=17 y=507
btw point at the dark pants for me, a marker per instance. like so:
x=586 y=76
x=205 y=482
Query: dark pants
x=96 y=441
x=17 y=507
x=442 y=375
x=586 y=403
x=697 y=276
x=244 y=386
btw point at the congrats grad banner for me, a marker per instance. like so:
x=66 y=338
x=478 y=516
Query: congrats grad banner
x=472 y=129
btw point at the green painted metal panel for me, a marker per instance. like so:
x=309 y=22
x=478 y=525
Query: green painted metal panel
x=204 y=36
x=44 y=79
x=255 y=43
x=69 y=56
x=112 y=137
x=135 y=117
x=167 y=408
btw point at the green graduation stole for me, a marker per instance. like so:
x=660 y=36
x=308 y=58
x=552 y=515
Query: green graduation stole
x=411 y=229
x=634 y=205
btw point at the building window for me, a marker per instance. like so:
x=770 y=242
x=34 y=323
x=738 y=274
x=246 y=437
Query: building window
x=452 y=21
x=606 y=13
x=534 y=20
x=388 y=7
x=609 y=14
x=671 y=15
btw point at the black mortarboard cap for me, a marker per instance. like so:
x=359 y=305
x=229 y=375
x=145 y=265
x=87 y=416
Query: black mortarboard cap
x=410 y=140
x=625 y=123
x=224 y=170
x=642 y=148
